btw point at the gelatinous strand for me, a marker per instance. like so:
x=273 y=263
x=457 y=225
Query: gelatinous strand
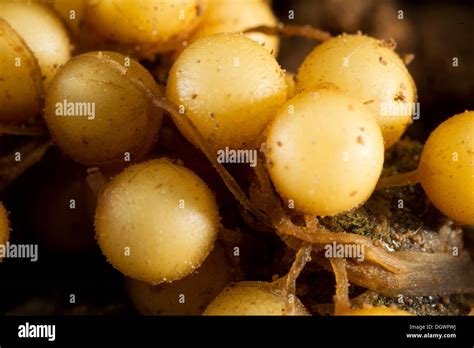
x=434 y=274
x=293 y=30
x=302 y=257
x=186 y=123
x=404 y=179
x=320 y=235
x=341 y=298
x=263 y=196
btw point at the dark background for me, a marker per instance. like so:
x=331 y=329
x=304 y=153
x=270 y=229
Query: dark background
x=434 y=31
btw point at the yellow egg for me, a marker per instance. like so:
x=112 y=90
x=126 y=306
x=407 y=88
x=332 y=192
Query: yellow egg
x=446 y=169
x=252 y=298
x=43 y=32
x=156 y=221
x=161 y=23
x=380 y=310
x=290 y=82
x=21 y=86
x=324 y=152
x=98 y=114
x=4 y=225
x=229 y=86
x=188 y=296
x=234 y=16
x=371 y=72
